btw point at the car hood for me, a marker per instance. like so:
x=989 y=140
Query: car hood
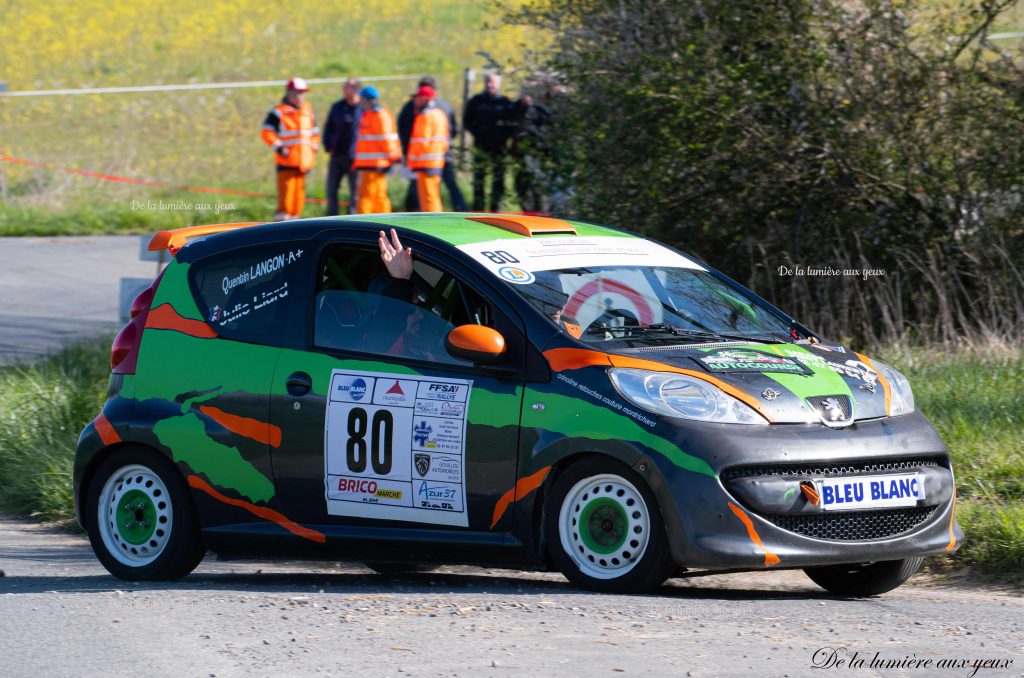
x=787 y=383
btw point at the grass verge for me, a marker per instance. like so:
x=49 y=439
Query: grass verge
x=143 y=213
x=43 y=408
x=975 y=399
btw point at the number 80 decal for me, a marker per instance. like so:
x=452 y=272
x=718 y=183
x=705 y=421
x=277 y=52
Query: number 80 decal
x=382 y=428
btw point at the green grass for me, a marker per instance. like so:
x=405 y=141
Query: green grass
x=43 y=408
x=975 y=400
x=140 y=214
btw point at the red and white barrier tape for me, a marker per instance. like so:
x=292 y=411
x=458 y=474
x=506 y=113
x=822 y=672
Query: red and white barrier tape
x=146 y=182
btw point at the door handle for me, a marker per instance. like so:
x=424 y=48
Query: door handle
x=299 y=383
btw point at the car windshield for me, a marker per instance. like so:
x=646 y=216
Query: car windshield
x=642 y=305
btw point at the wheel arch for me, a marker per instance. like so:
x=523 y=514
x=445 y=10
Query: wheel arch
x=96 y=460
x=638 y=463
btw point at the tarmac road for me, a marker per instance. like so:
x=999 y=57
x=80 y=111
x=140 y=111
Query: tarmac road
x=54 y=291
x=61 y=614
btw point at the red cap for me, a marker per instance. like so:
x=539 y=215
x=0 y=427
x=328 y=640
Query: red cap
x=298 y=84
x=426 y=91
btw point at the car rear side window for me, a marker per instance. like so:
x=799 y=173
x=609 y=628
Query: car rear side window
x=246 y=294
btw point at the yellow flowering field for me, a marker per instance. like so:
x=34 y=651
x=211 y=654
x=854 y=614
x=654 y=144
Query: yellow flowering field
x=207 y=137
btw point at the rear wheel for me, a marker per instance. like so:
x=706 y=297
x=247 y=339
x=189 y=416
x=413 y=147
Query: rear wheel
x=864 y=579
x=604 y=529
x=141 y=521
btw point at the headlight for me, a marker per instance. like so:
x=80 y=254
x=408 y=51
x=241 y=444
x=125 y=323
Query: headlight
x=676 y=395
x=902 y=397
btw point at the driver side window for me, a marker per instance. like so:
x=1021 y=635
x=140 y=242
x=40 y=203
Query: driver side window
x=360 y=307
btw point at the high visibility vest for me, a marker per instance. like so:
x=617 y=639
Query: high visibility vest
x=429 y=140
x=377 y=144
x=296 y=130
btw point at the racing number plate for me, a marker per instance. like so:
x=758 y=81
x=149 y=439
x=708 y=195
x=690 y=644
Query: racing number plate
x=867 y=492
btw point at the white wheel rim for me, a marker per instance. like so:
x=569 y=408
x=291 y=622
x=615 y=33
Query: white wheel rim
x=598 y=551
x=137 y=496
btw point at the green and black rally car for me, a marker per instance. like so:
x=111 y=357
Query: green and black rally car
x=512 y=391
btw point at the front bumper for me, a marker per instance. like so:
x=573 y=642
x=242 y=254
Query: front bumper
x=752 y=514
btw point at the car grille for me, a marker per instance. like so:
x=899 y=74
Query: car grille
x=850 y=525
x=827 y=469
x=854 y=525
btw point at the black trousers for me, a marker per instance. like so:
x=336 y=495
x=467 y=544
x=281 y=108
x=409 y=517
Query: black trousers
x=412 y=199
x=340 y=166
x=488 y=162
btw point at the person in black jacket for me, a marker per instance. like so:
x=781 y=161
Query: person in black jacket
x=530 y=148
x=405 y=120
x=488 y=118
x=340 y=141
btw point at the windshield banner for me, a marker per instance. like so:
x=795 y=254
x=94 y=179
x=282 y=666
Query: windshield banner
x=516 y=260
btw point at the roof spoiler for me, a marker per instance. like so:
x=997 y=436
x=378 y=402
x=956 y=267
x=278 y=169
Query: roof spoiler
x=527 y=225
x=174 y=239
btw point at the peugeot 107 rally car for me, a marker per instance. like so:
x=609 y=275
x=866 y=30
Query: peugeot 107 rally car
x=512 y=391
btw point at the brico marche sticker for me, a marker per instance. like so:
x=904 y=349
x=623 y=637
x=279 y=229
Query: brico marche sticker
x=394 y=447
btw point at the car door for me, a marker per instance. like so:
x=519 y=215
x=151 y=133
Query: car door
x=380 y=425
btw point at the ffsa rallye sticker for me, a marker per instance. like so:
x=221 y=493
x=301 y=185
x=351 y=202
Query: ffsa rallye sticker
x=395 y=447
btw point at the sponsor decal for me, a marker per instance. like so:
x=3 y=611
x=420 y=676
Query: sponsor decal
x=830 y=349
x=516 y=275
x=556 y=252
x=443 y=467
x=421 y=433
x=438 y=496
x=436 y=434
x=259 y=270
x=395 y=392
x=870 y=492
x=440 y=408
x=855 y=369
x=747 y=360
x=368 y=491
x=350 y=388
x=438 y=390
x=393 y=447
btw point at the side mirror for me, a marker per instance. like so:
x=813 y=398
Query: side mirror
x=475 y=343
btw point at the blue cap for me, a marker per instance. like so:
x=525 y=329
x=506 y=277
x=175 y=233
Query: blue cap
x=370 y=92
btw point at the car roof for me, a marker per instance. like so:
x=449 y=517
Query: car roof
x=453 y=228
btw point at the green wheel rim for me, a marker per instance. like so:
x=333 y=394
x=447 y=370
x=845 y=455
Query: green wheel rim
x=603 y=525
x=136 y=517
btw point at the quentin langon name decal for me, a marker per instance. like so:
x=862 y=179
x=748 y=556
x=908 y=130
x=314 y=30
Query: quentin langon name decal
x=258 y=270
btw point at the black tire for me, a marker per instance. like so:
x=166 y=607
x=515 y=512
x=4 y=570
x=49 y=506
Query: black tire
x=860 y=580
x=177 y=544
x=610 y=541
x=399 y=568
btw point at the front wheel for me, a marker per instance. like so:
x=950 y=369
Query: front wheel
x=141 y=522
x=604 y=529
x=860 y=580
